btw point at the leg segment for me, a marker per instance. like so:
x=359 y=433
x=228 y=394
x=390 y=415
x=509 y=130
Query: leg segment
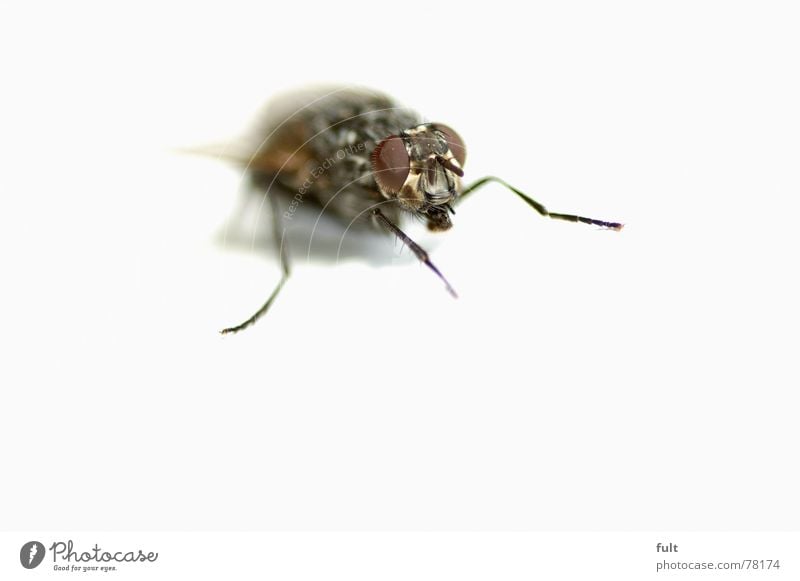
x=415 y=248
x=284 y=258
x=539 y=207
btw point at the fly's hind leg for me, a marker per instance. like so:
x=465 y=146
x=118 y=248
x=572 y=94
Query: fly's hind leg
x=278 y=233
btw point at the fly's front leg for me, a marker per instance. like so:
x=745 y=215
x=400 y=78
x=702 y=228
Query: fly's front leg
x=537 y=206
x=277 y=232
x=413 y=246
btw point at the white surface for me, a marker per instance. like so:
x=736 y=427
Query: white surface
x=585 y=379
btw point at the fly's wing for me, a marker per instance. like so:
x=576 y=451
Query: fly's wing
x=295 y=128
x=283 y=149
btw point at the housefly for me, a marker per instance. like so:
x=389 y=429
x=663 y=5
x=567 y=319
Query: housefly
x=359 y=155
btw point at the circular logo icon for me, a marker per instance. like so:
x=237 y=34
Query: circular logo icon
x=31 y=554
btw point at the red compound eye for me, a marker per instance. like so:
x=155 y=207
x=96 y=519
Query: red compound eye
x=390 y=164
x=454 y=141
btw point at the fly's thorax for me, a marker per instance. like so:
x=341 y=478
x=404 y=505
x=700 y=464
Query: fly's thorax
x=420 y=168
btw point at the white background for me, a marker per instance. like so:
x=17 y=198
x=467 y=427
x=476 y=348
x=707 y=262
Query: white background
x=585 y=380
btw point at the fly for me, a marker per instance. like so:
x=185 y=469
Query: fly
x=359 y=155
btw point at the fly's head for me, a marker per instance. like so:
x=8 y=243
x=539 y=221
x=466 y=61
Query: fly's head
x=420 y=168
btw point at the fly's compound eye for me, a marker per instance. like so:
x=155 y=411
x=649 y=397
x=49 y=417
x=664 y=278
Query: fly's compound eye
x=454 y=142
x=390 y=164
